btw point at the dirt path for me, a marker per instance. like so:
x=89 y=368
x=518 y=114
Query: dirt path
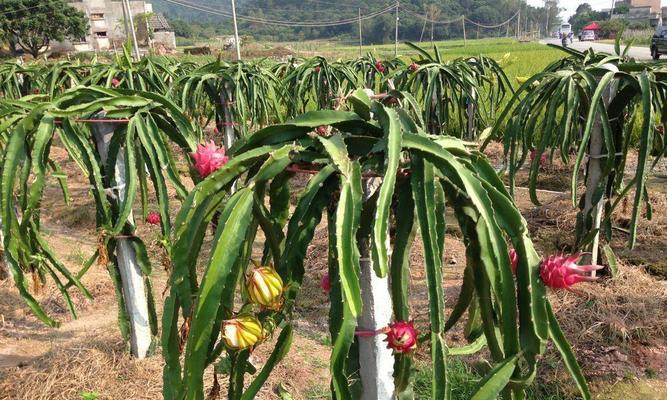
x=616 y=327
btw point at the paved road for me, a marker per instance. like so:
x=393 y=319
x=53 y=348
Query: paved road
x=641 y=53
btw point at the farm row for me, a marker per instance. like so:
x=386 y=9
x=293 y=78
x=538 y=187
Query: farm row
x=381 y=150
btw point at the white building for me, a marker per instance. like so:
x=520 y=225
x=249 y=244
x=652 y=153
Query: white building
x=107 y=26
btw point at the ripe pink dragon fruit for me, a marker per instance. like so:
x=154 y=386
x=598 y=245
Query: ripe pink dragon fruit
x=209 y=158
x=153 y=218
x=543 y=158
x=401 y=336
x=321 y=130
x=561 y=272
x=325 y=284
x=115 y=82
x=380 y=67
x=514 y=260
x=317 y=69
x=414 y=67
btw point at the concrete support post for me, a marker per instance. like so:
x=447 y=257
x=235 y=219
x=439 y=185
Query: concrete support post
x=375 y=359
x=4 y=273
x=132 y=278
x=594 y=170
x=230 y=136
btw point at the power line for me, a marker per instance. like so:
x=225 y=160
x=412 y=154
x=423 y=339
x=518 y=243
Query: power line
x=24 y=9
x=284 y=23
x=493 y=26
x=457 y=19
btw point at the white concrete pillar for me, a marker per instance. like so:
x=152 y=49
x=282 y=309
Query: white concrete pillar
x=375 y=359
x=132 y=278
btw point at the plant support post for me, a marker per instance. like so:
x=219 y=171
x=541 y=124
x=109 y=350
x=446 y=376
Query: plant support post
x=594 y=170
x=132 y=278
x=3 y=263
x=375 y=359
x=471 y=111
x=230 y=136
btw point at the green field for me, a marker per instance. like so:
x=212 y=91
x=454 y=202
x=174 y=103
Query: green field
x=517 y=58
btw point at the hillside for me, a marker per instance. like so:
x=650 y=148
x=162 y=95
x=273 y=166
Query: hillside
x=380 y=29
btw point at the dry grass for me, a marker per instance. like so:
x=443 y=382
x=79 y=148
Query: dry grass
x=612 y=322
x=96 y=363
x=616 y=326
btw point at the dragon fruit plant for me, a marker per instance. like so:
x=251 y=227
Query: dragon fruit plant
x=307 y=87
x=150 y=124
x=589 y=97
x=221 y=315
x=445 y=88
x=237 y=96
x=374 y=72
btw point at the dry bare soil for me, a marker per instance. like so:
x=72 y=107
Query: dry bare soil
x=616 y=326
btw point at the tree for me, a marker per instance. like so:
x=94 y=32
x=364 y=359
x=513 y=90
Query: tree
x=36 y=23
x=584 y=16
x=622 y=8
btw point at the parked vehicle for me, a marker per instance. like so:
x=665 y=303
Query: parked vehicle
x=659 y=42
x=587 y=35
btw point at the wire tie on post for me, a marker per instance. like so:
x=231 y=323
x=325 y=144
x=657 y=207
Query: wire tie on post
x=367 y=333
x=603 y=156
x=221 y=124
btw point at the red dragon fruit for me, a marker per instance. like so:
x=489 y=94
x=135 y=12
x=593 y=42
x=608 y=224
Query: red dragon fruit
x=380 y=67
x=115 y=82
x=514 y=260
x=325 y=284
x=543 y=158
x=561 y=272
x=401 y=336
x=209 y=158
x=321 y=130
x=153 y=218
x=414 y=67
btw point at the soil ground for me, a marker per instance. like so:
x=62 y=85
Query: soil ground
x=618 y=327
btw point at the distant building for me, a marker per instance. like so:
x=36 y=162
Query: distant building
x=107 y=26
x=654 y=5
x=642 y=11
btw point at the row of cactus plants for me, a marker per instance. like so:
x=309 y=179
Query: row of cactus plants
x=557 y=112
x=421 y=175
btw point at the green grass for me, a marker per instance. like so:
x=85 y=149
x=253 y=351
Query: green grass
x=463 y=380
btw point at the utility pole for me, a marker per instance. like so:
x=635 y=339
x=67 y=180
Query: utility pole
x=360 y=40
x=396 y=35
x=463 y=22
x=611 y=11
x=129 y=21
x=518 y=25
x=237 y=41
x=424 y=29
